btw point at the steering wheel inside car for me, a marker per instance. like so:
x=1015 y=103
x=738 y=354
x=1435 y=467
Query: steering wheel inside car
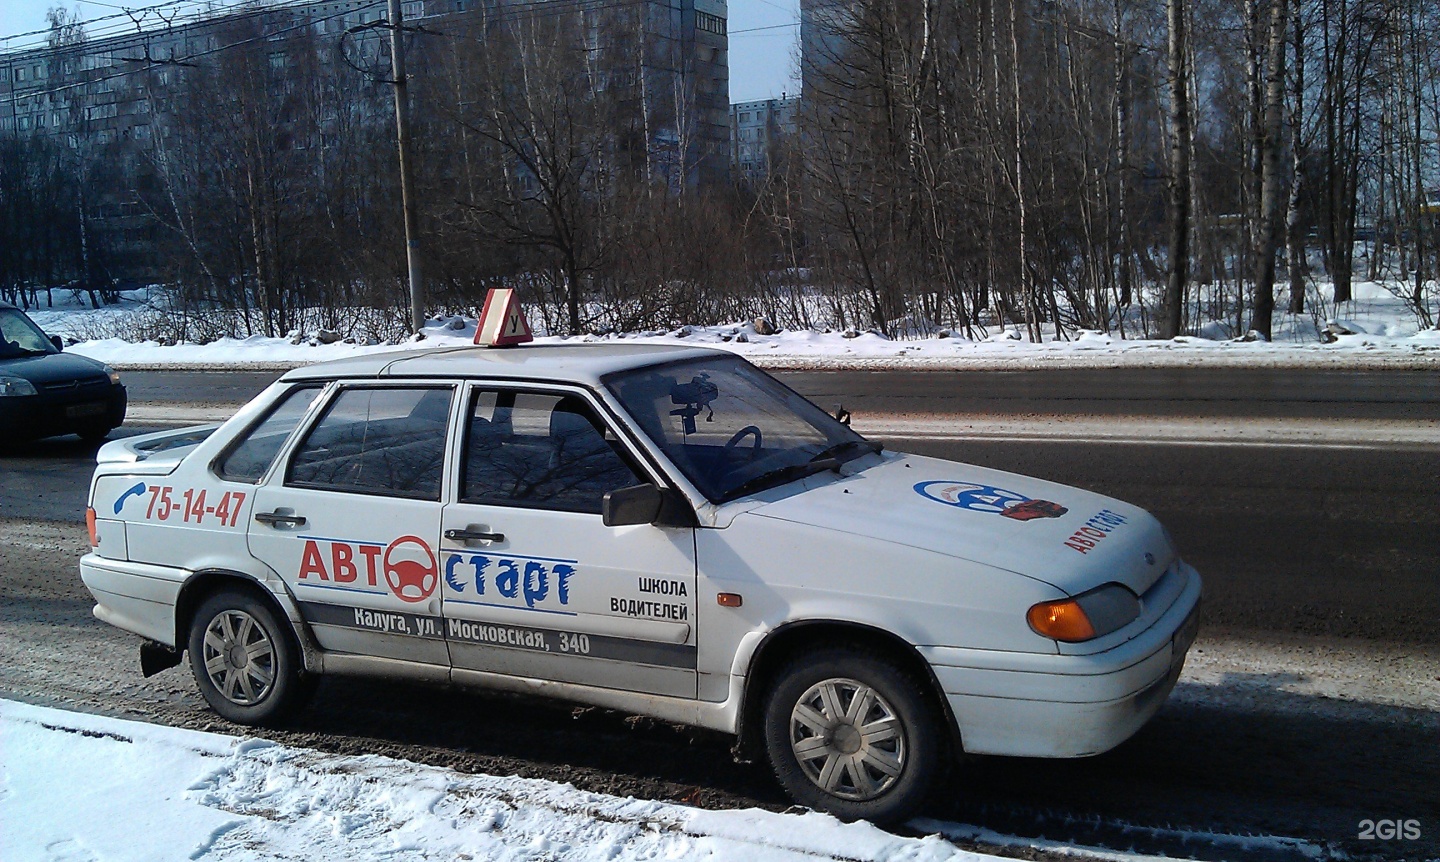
x=740 y=435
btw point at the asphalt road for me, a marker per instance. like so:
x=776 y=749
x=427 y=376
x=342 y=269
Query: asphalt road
x=1200 y=392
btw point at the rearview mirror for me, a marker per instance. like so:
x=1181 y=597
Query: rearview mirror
x=55 y=340
x=638 y=504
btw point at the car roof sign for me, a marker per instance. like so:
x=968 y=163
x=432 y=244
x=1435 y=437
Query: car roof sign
x=502 y=320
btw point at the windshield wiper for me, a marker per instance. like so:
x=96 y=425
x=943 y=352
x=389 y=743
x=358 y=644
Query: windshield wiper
x=827 y=459
x=833 y=452
x=779 y=476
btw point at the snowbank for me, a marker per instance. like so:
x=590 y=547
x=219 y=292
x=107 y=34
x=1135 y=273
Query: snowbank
x=76 y=786
x=1376 y=329
x=828 y=350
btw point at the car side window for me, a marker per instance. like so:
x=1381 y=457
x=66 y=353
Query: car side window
x=19 y=336
x=540 y=450
x=248 y=460
x=375 y=440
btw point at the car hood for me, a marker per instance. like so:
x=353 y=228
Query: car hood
x=53 y=368
x=1073 y=539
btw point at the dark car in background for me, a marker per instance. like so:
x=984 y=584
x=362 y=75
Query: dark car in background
x=44 y=391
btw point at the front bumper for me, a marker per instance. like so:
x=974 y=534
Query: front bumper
x=1032 y=705
x=63 y=411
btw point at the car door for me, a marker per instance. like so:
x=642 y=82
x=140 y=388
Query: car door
x=351 y=521
x=535 y=585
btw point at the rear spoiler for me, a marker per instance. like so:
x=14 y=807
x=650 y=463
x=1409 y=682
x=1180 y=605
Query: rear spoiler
x=131 y=450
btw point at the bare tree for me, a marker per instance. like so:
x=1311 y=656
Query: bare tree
x=1179 y=183
x=1267 y=227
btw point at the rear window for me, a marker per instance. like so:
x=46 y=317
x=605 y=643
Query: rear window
x=377 y=441
x=250 y=459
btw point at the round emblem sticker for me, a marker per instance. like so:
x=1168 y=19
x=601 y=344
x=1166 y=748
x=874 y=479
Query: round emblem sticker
x=976 y=498
x=410 y=569
x=987 y=498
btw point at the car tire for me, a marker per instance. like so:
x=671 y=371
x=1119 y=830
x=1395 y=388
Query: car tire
x=95 y=433
x=816 y=717
x=245 y=659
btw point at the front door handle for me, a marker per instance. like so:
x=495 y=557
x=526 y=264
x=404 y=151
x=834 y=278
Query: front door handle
x=473 y=535
x=278 y=517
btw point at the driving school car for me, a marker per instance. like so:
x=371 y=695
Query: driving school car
x=665 y=531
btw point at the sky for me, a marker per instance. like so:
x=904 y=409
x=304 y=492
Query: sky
x=762 y=63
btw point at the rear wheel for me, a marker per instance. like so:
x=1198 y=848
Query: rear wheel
x=852 y=733
x=244 y=659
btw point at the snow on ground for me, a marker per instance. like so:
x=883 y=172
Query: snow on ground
x=79 y=787
x=1384 y=334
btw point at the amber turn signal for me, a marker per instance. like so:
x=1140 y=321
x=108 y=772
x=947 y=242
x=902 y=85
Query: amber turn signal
x=1062 y=620
x=729 y=600
x=90 y=526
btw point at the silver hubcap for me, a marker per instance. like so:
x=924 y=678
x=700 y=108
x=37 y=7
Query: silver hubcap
x=239 y=658
x=847 y=739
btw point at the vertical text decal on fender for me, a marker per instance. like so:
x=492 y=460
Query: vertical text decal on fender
x=1097 y=529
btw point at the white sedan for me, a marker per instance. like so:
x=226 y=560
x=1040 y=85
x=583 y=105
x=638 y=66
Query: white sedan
x=665 y=531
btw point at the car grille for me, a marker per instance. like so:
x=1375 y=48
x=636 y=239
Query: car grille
x=93 y=385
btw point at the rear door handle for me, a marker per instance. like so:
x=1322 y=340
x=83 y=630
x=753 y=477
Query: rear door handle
x=278 y=517
x=468 y=536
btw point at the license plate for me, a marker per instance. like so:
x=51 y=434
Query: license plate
x=76 y=411
x=1186 y=635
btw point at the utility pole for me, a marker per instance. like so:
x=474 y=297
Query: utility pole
x=407 y=183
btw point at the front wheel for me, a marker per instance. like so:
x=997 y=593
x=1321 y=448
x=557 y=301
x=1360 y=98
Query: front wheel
x=244 y=659
x=95 y=433
x=852 y=733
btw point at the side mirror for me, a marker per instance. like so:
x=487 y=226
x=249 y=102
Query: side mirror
x=646 y=504
x=59 y=344
x=638 y=504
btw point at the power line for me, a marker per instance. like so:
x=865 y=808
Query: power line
x=759 y=29
x=535 y=9
x=122 y=24
x=310 y=22
x=86 y=23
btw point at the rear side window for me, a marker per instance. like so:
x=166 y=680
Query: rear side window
x=251 y=458
x=542 y=451
x=377 y=441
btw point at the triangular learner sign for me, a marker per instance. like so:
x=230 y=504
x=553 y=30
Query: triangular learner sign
x=502 y=320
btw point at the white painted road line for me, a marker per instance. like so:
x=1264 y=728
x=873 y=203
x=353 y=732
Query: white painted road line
x=156 y=413
x=1127 y=430
x=1158 y=430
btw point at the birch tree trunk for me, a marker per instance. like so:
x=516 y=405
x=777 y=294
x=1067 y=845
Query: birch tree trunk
x=1179 y=186
x=1294 y=235
x=1266 y=233
x=1122 y=161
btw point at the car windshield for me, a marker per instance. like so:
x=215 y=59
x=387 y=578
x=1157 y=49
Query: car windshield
x=731 y=428
x=20 y=337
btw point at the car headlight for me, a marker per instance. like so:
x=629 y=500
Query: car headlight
x=114 y=375
x=1087 y=616
x=15 y=386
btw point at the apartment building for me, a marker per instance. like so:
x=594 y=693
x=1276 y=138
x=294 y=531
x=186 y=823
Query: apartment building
x=95 y=92
x=757 y=129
